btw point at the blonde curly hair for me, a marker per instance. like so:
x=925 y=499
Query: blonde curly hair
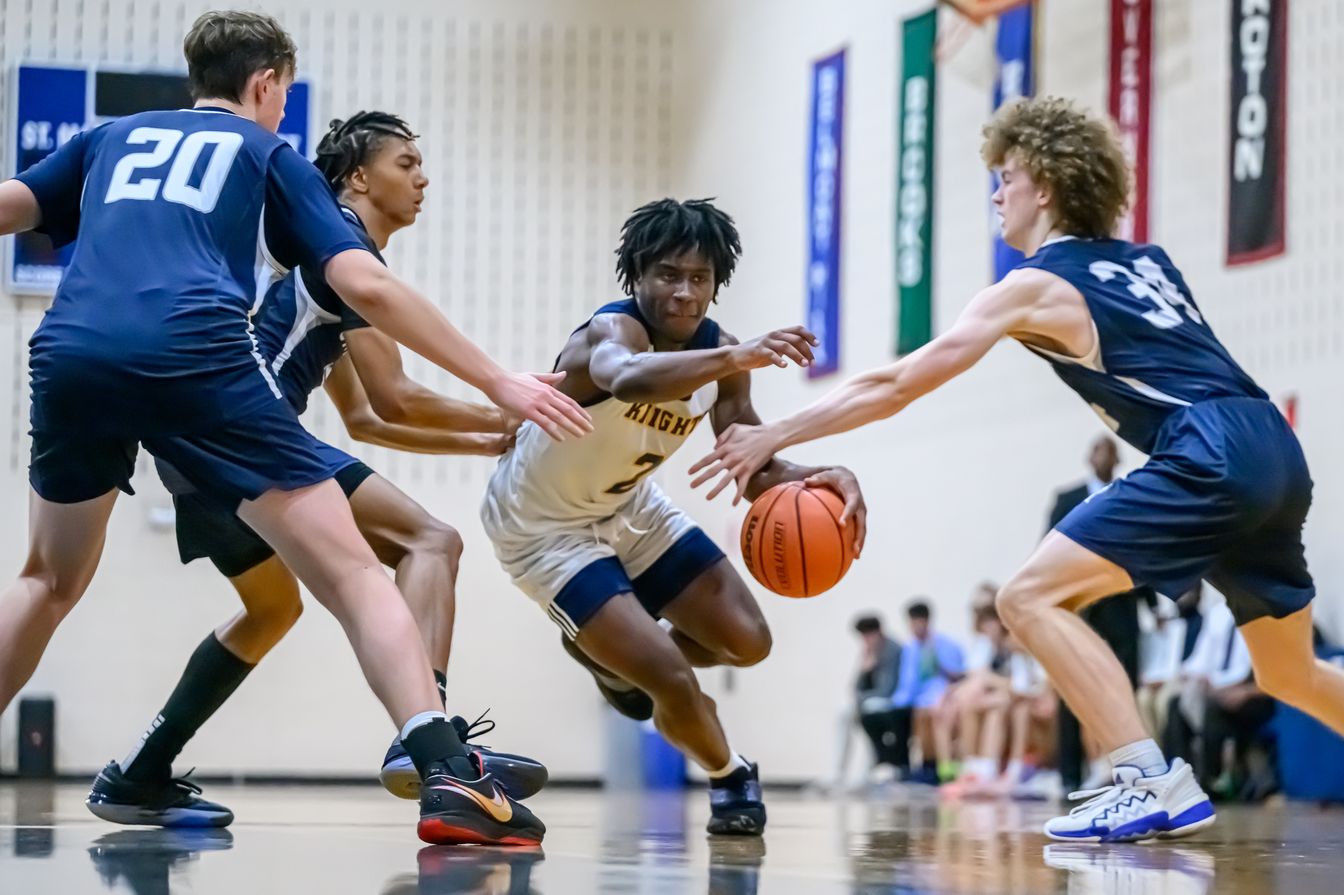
x=1077 y=156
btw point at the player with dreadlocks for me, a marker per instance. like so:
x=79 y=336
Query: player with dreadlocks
x=303 y=331
x=590 y=537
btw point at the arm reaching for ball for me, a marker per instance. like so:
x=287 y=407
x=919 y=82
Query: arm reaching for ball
x=734 y=411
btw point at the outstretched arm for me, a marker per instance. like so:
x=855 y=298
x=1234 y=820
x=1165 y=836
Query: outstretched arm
x=875 y=395
x=397 y=398
x=19 y=210
x=734 y=408
x=622 y=364
x=364 y=424
x=381 y=298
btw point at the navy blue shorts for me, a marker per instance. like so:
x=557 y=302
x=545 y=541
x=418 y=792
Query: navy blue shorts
x=660 y=584
x=236 y=461
x=1223 y=498
x=205 y=530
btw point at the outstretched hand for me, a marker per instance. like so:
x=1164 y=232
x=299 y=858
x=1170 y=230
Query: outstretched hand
x=778 y=347
x=738 y=454
x=844 y=483
x=533 y=396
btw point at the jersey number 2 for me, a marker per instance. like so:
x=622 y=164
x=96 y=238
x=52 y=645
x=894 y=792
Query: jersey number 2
x=176 y=186
x=648 y=463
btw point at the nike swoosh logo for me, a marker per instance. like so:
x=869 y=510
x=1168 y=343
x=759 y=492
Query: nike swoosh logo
x=498 y=808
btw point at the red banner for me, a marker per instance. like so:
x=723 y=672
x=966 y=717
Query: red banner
x=1130 y=101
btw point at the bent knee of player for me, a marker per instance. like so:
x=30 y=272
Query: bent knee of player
x=439 y=539
x=675 y=688
x=750 y=646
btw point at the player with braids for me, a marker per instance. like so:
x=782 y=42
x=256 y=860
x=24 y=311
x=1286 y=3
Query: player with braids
x=310 y=338
x=589 y=536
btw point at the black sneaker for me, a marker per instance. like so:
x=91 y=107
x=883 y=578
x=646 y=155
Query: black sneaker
x=454 y=811
x=623 y=696
x=159 y=803
x=521 y=777
x=735 y=806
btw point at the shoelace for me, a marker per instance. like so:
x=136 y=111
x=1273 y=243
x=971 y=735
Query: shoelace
x=485 y=724
x=1096 y=798
x=183 y=783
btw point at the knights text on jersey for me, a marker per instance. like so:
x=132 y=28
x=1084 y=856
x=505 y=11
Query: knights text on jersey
x=1155 y=352
x=301 y=326
x=595 y=476
x=182 y=221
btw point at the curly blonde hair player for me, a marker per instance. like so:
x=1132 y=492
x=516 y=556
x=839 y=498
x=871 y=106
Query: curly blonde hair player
x=1075 y=155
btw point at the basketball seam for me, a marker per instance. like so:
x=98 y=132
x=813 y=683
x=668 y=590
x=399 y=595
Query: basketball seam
x=802 y=543
x=840 y=536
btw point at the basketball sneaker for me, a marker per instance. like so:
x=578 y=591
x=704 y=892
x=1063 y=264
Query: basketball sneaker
x=454 y=811
x=735 y=806
x=620 y=694
x=1135 y=808
x=520 y=776
x=174 y=802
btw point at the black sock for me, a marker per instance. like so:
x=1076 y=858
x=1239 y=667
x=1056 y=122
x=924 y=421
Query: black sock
x=442 y=680
x=211 y=676
x=434 y=746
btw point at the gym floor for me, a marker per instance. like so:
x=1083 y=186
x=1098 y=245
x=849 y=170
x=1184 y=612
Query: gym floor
x=359 y=840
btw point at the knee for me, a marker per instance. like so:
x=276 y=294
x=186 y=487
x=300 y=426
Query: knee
x=1021 y=599
x=440 y=540
x=751 y=647
x=56 y=591
x=276 y=617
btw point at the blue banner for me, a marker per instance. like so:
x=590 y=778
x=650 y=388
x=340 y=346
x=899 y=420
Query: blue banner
x=825 y=152
x=52 y=104
x=1013 y=81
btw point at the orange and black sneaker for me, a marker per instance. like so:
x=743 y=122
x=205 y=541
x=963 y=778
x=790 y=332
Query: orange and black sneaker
x=454 y=811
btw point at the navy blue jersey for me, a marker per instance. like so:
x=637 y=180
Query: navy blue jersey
x=1155 y=352
x=183 y=220
x=301 y=324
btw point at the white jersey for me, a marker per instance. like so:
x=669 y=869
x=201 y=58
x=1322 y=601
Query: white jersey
x=596 y=476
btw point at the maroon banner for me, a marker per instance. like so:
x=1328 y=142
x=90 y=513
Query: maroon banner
x=1258 y=150
x=1130 y=101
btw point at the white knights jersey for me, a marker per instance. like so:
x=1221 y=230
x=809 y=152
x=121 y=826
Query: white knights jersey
x=593 y=477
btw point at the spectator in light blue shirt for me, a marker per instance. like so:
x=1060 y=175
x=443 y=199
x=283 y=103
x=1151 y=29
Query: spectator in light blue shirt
x=929 y=663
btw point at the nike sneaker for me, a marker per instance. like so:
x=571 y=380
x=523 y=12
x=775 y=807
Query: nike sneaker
x=172 y=802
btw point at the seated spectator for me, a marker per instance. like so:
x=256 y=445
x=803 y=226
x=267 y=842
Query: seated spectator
x=879 y=669
x=979 y=704
x=1162 y=649
x=1032 y=715
x=930 y=662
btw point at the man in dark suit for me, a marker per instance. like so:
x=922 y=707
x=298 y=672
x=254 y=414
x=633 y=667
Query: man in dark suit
x=1116 y=618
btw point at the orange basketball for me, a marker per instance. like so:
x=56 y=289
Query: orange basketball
x=793 y=542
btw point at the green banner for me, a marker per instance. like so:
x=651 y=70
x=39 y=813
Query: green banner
x=914 y=184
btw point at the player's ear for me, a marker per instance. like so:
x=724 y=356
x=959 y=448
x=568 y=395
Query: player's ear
x=357 y=181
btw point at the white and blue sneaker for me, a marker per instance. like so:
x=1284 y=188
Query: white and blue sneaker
x=1135 y=808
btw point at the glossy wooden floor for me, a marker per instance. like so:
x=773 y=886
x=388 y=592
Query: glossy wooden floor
x=359 y=840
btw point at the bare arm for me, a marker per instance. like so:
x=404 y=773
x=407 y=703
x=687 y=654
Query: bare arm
x=19 y=210
x=1003 y=308
x=378 y=296
x=364 y=424
x=622 y=364
x=396 y=398
x=734 y=408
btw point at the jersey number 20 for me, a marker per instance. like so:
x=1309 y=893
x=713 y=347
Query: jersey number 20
x=176 y=186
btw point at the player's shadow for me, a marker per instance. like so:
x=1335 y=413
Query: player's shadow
x=143 y=859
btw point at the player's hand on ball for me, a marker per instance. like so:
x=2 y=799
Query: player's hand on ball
x=533 y=396
x=843 y=482
x=776 y=347
x=738 y=454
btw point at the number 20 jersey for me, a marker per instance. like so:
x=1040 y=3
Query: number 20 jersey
x=1154 y=352
x=181 y=220
x=594 y=477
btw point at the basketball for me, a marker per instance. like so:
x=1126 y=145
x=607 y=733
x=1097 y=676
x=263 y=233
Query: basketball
x=793 y=542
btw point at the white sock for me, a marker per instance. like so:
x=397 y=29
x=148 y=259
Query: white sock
x=1143 y=755
x=421 y=720
x=980 y=767
x=1013 y=772
x=735 y=762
